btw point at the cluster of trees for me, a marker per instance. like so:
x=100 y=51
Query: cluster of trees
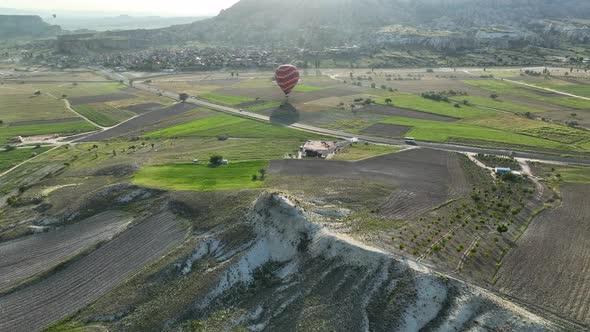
x=533 y=73
x=260 y=177
x=436 y=96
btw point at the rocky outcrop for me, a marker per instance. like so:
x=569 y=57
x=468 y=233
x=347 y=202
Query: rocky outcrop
x=306 y=276
x=110 y=41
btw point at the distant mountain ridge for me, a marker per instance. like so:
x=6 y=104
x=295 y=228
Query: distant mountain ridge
x=337 y=21
x=26 y=26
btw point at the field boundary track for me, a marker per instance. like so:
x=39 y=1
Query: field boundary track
x=69 y=107
x=26 y=161
x=567 y=94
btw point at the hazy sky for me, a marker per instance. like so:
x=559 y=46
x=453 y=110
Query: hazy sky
x=159 y=7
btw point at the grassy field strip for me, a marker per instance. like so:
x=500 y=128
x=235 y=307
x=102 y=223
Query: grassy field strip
x=507 y=87
x=105 y=117
x=360 y=152
x=8 y=159
x=580 y=90
x=84 y=89
x=574 y=174
x=435 y=132
x=525 y=126
x=232 y=126
x=225 y=99
x=25 y=107
x=307 y=88
x=69 y=107
x=497 y=104
x=236 y=175
x=418 y=103
x=45 y=129
x=548 y=89
x=265 y=106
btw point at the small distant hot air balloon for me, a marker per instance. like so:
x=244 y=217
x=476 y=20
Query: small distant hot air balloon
x=287 y=77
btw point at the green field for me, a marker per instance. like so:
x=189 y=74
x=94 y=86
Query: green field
x=444 y=131
x=362 y=151
x=103 y=115
x=574 y=174
x=503 y=87
x=498 y=104
x=81 y=89
x=45 y=129
x=12 y=158
x=17 y=107
x=525 y=126
x=231 y=126
x=265 y=106
x=307 y=88
x=225 y=99
x=579 y=90
x=236 y=175
x=418 y=103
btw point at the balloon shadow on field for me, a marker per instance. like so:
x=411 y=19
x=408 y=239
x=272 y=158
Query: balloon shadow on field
x=285 y=114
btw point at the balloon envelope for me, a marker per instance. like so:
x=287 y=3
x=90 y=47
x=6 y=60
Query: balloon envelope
x=287 y=77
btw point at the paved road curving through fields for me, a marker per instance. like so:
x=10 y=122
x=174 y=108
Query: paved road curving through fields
x=342 y=134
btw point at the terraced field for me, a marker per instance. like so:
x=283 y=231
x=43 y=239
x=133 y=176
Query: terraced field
x=87 y=278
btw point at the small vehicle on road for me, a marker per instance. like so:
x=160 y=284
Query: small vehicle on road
x=410 y=140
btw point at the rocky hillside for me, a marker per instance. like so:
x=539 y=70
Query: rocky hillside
x=23 y=26
x=278 y=269
x=325 y=22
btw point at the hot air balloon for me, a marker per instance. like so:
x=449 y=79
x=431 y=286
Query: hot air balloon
x=287 y=77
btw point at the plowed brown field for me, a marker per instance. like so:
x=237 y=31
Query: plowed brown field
x=85 y=280
x=550 y=266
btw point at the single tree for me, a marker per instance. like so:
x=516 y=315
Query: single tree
x=494 y=96
x=183 y=97
x=262 y=172
x=388 y=101
x=215 y=160
x=502 y=228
